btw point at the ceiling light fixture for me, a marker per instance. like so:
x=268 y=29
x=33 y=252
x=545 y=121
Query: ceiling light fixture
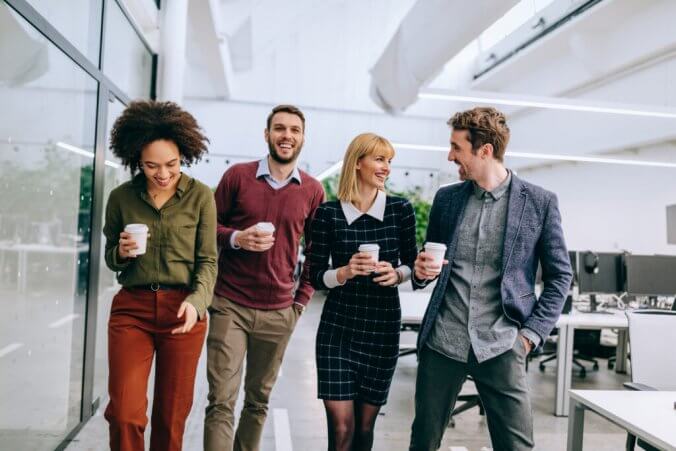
x=552 y=103
x=545 y=156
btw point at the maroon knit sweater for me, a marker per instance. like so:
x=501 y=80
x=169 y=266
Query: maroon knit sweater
x=264 y=280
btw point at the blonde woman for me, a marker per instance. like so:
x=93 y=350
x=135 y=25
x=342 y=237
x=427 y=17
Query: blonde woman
x=358 y=337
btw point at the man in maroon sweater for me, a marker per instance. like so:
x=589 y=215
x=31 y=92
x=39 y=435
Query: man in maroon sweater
x=255 y=308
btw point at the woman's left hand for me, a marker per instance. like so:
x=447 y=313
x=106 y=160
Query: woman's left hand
x=190 y=312
x=387 y=275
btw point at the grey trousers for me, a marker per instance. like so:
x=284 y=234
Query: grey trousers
x=503 y=389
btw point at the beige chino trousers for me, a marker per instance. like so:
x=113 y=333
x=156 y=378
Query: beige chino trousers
x=237 y=332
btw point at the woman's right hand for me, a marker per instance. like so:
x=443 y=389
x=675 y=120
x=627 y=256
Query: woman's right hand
x=361 y=264
x=126 y=245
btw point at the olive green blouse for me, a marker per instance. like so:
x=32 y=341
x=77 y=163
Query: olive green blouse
x=181 y=248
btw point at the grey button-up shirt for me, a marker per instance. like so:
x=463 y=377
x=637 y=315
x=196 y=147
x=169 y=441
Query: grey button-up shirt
x=471 y=316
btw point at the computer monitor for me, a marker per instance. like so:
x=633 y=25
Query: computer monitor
x=600 y=272
x=650 y=275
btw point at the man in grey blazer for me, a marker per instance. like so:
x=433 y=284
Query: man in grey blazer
x=484 y=318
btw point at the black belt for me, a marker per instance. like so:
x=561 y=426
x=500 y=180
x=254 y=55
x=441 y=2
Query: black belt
x=160 y=286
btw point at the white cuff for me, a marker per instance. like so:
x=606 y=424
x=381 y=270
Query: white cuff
x=405 y=273
x=233 y=243
x=330 y=279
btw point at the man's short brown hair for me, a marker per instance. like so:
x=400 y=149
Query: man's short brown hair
x=484 y=125
x=286 y=109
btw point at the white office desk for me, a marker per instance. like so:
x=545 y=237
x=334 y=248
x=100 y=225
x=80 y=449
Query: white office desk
x=567 y=324
x=413 y=306
x=649 y=415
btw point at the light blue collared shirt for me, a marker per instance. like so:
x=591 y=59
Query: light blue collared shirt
x=264 y=171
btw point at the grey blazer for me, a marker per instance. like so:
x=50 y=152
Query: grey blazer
x=533 y=235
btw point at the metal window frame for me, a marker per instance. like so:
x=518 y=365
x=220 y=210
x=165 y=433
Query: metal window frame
x=106 y=89
x=30 y=14
x=531 y=40
x=133 y=24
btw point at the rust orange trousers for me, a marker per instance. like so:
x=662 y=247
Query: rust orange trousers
x=139 y=329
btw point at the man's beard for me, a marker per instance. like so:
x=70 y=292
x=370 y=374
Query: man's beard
x=278 y=158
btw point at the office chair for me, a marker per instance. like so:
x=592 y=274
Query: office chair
x=584 y=340
x=471 y=401
x=652 y=334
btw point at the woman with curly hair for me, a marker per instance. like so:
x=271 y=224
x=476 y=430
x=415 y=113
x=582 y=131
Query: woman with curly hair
x=160 y=310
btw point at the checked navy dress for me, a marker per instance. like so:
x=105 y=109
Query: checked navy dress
x=358 y=337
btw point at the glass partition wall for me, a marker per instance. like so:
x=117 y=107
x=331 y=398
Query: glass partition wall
x=55 y=175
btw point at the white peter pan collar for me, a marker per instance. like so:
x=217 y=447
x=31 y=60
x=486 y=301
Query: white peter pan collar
x=377 y=210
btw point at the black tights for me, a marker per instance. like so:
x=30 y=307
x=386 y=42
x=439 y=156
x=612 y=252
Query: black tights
x=350 y=425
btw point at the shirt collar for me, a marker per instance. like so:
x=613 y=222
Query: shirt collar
x=183 y=183
x=377 y=210
x=499 y=190
x=141 y=183
x=264 y=170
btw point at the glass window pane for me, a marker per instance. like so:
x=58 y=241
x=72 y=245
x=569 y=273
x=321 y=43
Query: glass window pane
x=47 y=135
x=126 y=60
x=115 y=174
x=78 y=20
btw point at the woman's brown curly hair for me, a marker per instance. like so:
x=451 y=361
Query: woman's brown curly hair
x=145 y=121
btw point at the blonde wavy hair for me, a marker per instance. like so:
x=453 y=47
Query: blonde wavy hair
x=361 y=146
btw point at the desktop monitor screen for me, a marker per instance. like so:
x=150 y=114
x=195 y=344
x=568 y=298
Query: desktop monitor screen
x=651 y=275
x=599 y=272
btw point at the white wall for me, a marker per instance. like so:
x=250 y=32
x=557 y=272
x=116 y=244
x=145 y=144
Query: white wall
x=611 y=207
x=236 y=131
x=604 y=207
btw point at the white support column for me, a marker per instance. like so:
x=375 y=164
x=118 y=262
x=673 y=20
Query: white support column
x=173 y=32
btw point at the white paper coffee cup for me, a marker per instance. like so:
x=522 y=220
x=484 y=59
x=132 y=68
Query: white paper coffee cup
x=437 y=251
x=266 y=227
x=139 y=233
x=371 y=249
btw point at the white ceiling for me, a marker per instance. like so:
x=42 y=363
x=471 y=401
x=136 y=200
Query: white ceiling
x=318 y=54
x=309 y=52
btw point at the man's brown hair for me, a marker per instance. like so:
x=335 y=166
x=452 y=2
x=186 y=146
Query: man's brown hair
x=286 y=109
x=484 y=125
